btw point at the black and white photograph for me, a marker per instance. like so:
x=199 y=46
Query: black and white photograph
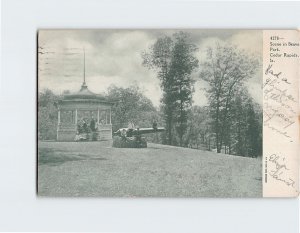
x=149 y=116
x=149 y=113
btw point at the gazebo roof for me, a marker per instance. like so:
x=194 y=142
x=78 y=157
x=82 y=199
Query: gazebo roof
x=84 y=93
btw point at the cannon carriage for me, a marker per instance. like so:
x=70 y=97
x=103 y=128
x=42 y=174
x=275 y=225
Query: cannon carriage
x=133 y=138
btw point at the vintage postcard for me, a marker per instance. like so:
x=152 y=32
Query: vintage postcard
x=168 y=113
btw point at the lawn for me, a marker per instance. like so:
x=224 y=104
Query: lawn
x=95 y=169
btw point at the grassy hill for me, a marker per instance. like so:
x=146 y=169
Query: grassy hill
x=96 y=169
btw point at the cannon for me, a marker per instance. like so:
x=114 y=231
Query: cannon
x=132 y=138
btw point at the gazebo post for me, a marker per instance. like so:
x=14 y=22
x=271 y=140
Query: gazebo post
x=76 y=116
x=98 y=115
x=110 y=116
x=58 y=116
x=106 y=117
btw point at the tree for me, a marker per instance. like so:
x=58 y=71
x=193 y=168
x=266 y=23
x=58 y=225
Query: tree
x=47 y=114
x=198 y=133
x=173 y=59
x=130 y=105
x=158 y=58
x=254 y=129
x=225 y=70
x=244 y=136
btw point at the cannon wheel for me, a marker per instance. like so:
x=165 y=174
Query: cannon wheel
x=129 y=142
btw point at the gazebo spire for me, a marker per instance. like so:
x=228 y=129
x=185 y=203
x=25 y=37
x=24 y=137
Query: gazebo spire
x=83 y=86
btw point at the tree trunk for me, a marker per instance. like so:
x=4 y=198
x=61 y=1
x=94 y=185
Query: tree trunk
x=217 y=126
x=181 y=119
x=170 y=133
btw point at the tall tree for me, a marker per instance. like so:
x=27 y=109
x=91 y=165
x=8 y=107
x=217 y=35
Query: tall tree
x=226 y=69
x=173 y=59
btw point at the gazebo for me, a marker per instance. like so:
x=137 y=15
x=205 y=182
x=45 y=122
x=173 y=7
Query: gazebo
x=84 y=108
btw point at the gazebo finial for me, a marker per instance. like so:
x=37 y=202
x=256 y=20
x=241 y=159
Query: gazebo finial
x=83 y=86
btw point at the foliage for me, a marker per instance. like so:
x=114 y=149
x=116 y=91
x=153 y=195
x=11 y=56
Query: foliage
x=47 y=115
x=225 y=70
x=173 y=59
x=199 y=130
x=131 y=106
x=243 y=130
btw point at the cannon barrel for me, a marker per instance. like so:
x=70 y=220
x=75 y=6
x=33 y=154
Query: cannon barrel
x=139 y=131
x=147 y=130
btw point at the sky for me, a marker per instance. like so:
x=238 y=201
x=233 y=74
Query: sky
x=113 y=57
